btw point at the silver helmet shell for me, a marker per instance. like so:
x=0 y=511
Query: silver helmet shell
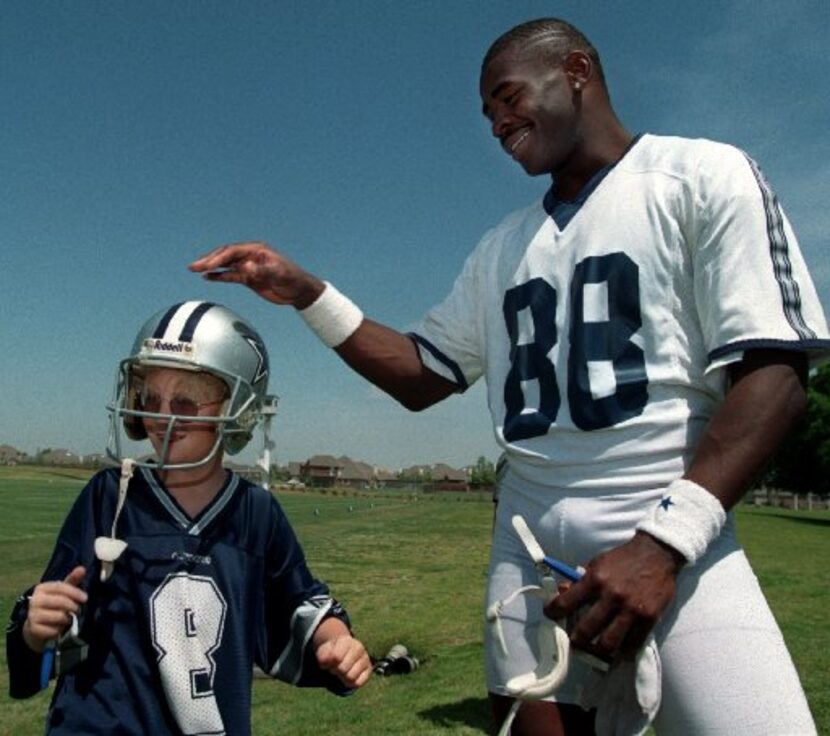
x=195 y=336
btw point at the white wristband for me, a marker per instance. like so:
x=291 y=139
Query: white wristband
x=333 y=317
x=688 y=518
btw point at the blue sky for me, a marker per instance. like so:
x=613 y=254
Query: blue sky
x=137 y=135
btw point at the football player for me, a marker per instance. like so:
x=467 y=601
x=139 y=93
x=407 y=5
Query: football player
x=172 y=576
x=645 y=332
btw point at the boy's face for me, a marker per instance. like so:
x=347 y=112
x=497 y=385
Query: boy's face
x=180 y=392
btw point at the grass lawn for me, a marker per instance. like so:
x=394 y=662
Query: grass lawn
x=413 y=571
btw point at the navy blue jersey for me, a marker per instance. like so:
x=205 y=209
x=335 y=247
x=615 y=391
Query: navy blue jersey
x=191 y=606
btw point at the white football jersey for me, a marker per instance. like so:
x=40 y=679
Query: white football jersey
x=601 y=325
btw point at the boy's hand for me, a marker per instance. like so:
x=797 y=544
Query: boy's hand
x=50 y=609
x=346 y=658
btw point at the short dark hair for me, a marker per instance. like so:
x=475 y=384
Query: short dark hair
x=552 y=38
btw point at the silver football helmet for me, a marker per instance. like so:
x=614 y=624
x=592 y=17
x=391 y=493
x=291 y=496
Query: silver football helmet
x=194 y=336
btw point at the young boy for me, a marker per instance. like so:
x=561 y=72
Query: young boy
x=168 y=583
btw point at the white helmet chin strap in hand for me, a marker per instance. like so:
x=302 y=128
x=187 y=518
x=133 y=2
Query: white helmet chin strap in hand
x=554 y=648
x=554 y=644
x=626 y=697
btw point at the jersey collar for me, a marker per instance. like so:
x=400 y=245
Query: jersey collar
x=563 y=211
x=193 y=527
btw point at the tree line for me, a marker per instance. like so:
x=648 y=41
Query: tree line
x=802 y=463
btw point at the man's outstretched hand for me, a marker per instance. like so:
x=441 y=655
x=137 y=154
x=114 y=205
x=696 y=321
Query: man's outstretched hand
x=259 y=267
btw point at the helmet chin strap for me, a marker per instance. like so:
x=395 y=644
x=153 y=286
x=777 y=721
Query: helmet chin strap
x=626 y=694
x=554 y=644
x=109 y=549
x=554 y=647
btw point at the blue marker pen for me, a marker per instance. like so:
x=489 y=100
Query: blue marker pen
x=46 y=663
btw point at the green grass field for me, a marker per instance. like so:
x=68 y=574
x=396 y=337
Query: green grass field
x=413 y=571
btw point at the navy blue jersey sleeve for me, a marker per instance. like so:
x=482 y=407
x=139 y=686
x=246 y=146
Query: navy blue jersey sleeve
x=24 y=664
x=74 y=546
x=295 y=605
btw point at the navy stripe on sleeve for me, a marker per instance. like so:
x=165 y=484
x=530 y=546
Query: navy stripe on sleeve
x=441 y=358
x=796 y=346
x=779 y=253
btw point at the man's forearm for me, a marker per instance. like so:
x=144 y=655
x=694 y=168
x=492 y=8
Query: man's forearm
x=390 y=360
x=767 y=398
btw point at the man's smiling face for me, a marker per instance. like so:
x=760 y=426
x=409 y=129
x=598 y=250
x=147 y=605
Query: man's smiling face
x=531 y=106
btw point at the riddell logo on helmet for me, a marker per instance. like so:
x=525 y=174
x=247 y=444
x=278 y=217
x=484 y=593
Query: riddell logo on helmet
x=154 y=345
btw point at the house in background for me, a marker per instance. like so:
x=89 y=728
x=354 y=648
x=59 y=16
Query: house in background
x=11 y=455
x=327 y=471
x=322 y=471
x=386 y=478
x=59 y=456
x=445 y=478
x=355 y=474
x=437 y=477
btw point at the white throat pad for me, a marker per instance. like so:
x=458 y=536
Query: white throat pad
x=554 y=644
x=109 y=549
x=552 y=667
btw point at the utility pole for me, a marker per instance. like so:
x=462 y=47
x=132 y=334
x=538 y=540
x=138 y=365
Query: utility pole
x=269 y=411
